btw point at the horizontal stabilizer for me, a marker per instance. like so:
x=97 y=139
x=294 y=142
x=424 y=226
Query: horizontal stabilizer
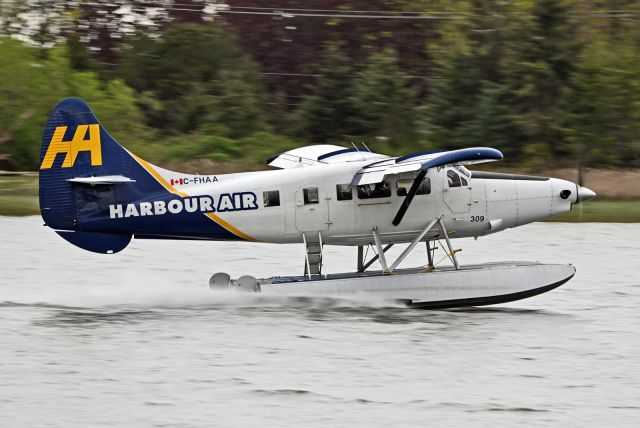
x=104 y=179
x=103 y=243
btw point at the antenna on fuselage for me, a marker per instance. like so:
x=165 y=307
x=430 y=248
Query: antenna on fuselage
x=357 y=149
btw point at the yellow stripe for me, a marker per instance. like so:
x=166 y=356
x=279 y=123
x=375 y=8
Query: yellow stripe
x=146 y=165
x=230 y=228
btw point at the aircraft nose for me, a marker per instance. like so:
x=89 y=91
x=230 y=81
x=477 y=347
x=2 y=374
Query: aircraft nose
x=584 y=194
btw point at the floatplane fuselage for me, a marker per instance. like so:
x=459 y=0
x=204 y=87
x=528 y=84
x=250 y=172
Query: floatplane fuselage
x=279 y=206
x=98 y=195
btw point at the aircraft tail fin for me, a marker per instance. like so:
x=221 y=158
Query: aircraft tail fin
x=96 y=194
x=80 y=164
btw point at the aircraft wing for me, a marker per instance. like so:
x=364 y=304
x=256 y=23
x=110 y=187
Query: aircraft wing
x=421 y=161
x=321 y=154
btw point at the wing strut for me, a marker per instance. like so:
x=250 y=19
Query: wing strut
x=409 y=198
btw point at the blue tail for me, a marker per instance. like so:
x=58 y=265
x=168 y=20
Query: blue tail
x=75 y=147
x=91 y=188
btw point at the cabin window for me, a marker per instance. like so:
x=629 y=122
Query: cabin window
x=403 y=186
x=271 y=198
x=310 y=195
x=343 y=192
x=454 y=179
x=465 y=183
x=376 y=190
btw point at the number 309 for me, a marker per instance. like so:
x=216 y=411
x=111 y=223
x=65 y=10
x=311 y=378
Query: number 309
x=477 y=218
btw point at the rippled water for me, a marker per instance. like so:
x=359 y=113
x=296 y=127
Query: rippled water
x=137 y=339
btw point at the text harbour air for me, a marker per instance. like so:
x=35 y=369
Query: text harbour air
x=190 y=204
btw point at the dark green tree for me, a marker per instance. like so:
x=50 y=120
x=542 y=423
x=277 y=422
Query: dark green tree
x=238 y=107
x=603 y=112
x=187 y=78
x=385 y=102
x=492 y=125
x=31 y=85
x=535 y=71
x=452 y=105
x=330 y=112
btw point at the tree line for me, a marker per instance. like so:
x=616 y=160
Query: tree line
x=548 y=82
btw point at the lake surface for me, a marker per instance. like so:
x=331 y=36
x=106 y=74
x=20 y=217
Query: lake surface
x=137 y=339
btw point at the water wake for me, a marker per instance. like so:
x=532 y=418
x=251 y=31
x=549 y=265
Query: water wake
x=168 y=295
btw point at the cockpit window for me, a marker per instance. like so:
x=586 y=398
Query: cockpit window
x=464 y=171
x=454 y=179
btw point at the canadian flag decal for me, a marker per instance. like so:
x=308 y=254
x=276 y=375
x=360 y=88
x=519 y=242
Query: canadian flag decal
x=179 y=181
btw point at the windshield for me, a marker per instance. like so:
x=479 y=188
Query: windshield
x=463 y=170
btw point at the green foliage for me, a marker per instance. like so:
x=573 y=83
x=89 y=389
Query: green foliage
x=491 y=124
x=451 y=108
x=329 y=113
x=373 y=103
x=540 y=80
x=603 y=210
x=536 y=68
x=238 y=105
x=252 y=149
x=519 y=84
x=385 y=102
x=79 y=56
x=194 y=78
x=30 y=86
x=603 y=115
x=260 y=146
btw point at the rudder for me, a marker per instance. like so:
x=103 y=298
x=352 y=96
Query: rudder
x=75 y=145
x=92 y=190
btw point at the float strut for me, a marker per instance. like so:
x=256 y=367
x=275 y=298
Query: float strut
x=307 y=267
x=322 y=266
x=383 y=260
x=413 y=244
x=429 y=254
x=374 y=258
x=451 y=250
x=360 y=266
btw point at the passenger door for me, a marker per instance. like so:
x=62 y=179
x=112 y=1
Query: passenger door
x=312 y=213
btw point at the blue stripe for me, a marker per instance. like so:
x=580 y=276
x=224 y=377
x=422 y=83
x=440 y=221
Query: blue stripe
x=339 y=152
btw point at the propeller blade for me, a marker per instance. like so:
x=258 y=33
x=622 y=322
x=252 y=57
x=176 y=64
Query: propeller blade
x=409 y=198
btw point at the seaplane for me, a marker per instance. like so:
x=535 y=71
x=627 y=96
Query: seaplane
x=98 y=196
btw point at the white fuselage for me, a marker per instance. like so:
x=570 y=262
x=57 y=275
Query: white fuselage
x=468 y=206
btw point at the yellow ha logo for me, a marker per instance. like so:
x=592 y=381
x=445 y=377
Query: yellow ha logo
x=75 y=146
